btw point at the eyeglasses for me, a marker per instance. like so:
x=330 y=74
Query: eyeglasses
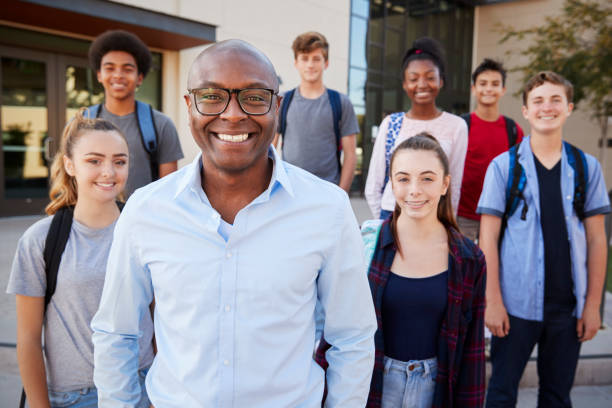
x=214 y=101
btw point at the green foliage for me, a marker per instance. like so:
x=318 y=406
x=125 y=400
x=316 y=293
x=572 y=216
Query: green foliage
x=576 y=44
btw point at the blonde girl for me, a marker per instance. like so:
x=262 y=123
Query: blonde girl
x=88 y=175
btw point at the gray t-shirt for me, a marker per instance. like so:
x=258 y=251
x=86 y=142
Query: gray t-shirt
x=80 y=278
x=168 y=146
x=309 y=141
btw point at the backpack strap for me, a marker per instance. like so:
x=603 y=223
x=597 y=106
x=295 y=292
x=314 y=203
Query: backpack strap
x=146 y=127
x=148 y=134
x=514 y=190
x=578 y=162
x=284 y=109
x=92 y=112
x=55 y=244
x=468 y=119
x=511 y=131
x=395 y=124
x=57 y=237
x=336 y=107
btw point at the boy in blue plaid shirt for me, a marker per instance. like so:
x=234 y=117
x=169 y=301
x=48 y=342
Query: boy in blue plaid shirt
x=545 y=278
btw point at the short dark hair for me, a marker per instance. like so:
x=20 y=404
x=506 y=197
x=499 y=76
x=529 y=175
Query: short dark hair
x=548 y=76
x=310 y=41
x=425 y=48
x=489 y=64
x=119 y=40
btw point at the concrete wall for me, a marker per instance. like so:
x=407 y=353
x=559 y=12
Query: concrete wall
x=580 y=128
x=270 y=25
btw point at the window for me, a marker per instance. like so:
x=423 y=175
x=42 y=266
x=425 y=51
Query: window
x=392 y=25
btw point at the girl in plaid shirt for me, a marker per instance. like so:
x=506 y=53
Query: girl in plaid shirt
x=427 y=281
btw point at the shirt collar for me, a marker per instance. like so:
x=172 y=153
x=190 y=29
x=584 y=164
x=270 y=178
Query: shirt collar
x=192 y=179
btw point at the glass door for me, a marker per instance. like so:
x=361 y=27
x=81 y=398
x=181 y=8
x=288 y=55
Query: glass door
x=80 y=86
x=27 y=122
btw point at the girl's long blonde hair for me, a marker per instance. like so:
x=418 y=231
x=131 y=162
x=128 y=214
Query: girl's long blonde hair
x=63 y=192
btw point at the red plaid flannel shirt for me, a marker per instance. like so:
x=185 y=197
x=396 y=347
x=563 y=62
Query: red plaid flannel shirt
x=461 y=360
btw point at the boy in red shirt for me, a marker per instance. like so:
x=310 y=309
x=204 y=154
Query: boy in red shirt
x=489 y=134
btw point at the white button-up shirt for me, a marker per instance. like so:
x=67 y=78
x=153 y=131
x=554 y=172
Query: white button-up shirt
x=234 y=319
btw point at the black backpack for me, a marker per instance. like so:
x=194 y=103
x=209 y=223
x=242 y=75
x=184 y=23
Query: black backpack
x=336 y=107
x=511 y=128
x=517 y=181
x=55 y=244
x=146 y=126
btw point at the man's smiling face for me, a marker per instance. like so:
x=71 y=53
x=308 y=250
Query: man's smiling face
x=232 y=141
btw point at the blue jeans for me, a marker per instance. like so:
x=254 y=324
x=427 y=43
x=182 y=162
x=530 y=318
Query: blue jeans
x=409 y=384
x=88 y=397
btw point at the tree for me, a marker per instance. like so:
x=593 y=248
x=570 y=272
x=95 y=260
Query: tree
x=578 y=45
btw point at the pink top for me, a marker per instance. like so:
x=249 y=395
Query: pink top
x=450 y=130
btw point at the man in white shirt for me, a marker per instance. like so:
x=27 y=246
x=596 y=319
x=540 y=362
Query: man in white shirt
x=237 y=249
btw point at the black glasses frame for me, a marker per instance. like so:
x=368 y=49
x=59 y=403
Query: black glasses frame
x=230 y=92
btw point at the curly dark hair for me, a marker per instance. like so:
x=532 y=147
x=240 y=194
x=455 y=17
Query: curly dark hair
x=119 y=40
x=489 y=64
x=425 y=48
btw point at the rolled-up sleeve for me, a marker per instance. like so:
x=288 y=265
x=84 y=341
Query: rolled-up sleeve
x=350 y=322
x=493 y=197
x=127 y=294
x=597 y=200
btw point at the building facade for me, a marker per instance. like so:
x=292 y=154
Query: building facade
x=45 y=78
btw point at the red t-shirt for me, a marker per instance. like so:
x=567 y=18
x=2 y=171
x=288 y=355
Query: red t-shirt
x=486 y=140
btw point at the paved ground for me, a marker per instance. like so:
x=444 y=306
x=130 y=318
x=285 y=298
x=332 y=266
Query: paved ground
x=10 y=384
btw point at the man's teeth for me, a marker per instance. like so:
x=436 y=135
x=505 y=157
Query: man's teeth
x=233 y=138
x=547 y=117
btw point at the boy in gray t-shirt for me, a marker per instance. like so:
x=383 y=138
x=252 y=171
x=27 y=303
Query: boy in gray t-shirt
x=121 y=61
x=309 y=139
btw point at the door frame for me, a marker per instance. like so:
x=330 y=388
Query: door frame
x=31 y=205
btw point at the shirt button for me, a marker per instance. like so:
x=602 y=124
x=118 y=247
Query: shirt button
x=569 y=197
x=228 y=254
x=226 y=362
x=227 y=308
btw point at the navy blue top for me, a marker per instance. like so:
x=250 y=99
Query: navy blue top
x=412 y=313
x=558 y=282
